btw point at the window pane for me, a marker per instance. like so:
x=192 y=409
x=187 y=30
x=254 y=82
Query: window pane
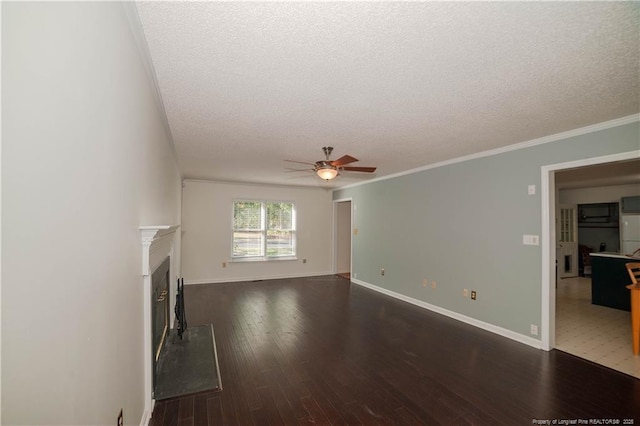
x=248 y=234
x=247 y=243
x=281 y=238
x=247 y=215
x=280 y=216
x=281 y=243
x=264 y=229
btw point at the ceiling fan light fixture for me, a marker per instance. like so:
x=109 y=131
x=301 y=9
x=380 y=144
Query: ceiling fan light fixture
x=327 y=172
x=328 y=169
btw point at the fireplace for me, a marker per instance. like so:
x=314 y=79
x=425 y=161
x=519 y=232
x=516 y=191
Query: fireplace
x=159 y=265
x=159 y=311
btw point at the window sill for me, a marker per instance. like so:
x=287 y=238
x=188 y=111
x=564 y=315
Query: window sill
x=261 y=259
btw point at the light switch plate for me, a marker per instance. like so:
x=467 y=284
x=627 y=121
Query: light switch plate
x=531 y=190
x=531 y=240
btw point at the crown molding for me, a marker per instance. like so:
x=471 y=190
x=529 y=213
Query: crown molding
x=135 y=25
x=514 y=147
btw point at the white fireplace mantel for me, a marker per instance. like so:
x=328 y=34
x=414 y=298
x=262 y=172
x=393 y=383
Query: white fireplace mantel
x=157 y=244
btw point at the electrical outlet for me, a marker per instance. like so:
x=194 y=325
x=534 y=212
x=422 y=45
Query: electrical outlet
x=531 y=190
x=425 y=282
x=120 y=419
x=534 y=329
x=355 y=275
x=465 y=292
x=381 y=271
x=473 y=295
x=433 y=284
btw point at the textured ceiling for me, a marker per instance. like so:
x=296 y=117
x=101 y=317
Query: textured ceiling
x=398 y=85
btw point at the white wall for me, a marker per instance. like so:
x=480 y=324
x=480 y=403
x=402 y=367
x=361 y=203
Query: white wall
x=207 y=213
x=85 y=162
x=600 y=194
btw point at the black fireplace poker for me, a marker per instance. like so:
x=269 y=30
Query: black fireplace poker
x=181 y=318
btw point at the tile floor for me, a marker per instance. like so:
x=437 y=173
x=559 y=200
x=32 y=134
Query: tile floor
x=596 y=333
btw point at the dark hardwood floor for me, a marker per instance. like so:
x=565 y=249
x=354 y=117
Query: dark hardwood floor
x=321 y=350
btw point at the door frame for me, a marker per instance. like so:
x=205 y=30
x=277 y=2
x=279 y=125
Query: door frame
x=334 y=235
x=549 y=195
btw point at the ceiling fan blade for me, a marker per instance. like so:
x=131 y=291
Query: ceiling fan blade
x=359 y=169
x=300 y=162
x=345 y=159
x=287 y=170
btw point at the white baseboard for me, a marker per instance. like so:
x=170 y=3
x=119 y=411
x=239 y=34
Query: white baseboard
x=455 y=315
x=261 y=278
x=146 y=415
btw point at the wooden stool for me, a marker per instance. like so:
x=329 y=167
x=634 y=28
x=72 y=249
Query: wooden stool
x=634 y=272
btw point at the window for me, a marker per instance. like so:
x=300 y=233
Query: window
x=263 y=230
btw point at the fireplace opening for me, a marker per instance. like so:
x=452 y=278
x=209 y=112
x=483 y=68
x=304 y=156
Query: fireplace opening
x=159 y=312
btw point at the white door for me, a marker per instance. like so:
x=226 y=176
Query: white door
x=567 y=234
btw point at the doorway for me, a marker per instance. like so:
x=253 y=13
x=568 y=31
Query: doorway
x=342 y=213
x=550 y=228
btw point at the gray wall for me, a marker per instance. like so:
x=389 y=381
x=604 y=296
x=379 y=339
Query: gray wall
x=461 y=225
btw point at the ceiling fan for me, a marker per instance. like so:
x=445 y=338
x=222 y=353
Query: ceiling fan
x=328 y=169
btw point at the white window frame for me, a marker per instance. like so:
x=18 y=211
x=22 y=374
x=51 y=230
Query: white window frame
x=264 y=225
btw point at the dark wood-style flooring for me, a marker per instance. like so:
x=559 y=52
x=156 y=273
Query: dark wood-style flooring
x=322 y=350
